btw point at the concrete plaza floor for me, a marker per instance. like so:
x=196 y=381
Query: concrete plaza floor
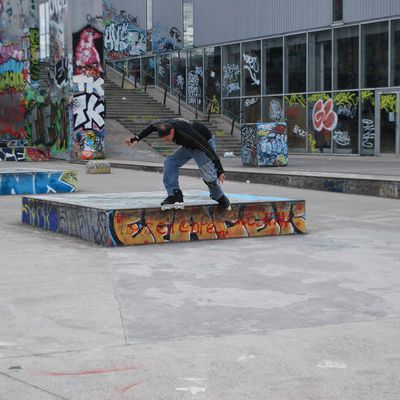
x=313 y=316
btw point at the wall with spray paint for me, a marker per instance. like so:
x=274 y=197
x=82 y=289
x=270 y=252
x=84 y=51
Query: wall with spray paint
x=124 y=28
x=167 y=32
x=87 y=104
x=19 y=73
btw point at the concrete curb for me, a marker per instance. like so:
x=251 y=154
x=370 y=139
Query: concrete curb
x=378 y=186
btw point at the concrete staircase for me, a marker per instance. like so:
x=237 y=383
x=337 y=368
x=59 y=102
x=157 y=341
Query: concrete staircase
x=44 y=75
x=135 y=109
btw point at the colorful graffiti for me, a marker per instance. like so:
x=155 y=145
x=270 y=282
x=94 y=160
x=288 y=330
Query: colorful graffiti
x=35 y=182
x=123 y=36
x=231 y=79
x=34 y=57
x=88 y=106
x=265 y=144
x=12 y=154
x=149 y=226
x=165 y=38
x=323 y=116
x=248 y=143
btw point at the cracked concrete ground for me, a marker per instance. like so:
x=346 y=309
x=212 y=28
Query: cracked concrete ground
x=315 y=316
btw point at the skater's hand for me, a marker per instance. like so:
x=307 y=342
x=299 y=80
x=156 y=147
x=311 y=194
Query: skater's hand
x=221 y=178
x=131 y=141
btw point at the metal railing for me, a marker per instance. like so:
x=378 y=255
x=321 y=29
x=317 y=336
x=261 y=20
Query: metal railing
x=212 y=105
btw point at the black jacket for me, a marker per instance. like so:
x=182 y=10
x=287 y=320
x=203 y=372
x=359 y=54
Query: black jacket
x=190 y=135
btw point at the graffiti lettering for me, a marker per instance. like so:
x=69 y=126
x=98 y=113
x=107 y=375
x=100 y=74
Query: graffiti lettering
x=343 y=98
x=35 y=54
x=368 y=136
x=11 y=154
x=12 y=75
x=323 y=116
x=213 y=106
x=116 y=37
x=194 y=89
x=347 y=111
x=341 y=138
x=250 y=102
x=88 y=111
x=232 y=87
x=275 y=110
x=61 y=72
x=248 y=144
x=231 y=72
x=88 y=84
x=296 y=99
x=299 y=132
x=251 y=65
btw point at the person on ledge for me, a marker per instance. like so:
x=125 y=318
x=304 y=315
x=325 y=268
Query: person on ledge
x=196 y=142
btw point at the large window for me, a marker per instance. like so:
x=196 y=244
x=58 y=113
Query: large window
x=296 y=60
x=149 y=24
x=320 y=61
x=44 y=30
x=231 y=70
x=251 y=107
x=346 y=52
x=178 y=74
x=367 y=145
x=148 y=68
x=188 y=40
x=163 y=71
x=251 y=68
x=395 y=62
x=322 y=120
x=296 y=118
x=273 y=60
x=375 y=47
x=337 y=10
x=272 y=109
x=345 y=132
x=212 y=79
x=195 y=79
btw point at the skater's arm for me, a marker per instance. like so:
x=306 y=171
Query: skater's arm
x=133 y=140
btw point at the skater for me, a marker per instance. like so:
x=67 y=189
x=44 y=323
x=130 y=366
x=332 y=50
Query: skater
x=198 y=143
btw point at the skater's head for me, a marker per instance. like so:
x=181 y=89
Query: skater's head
x=166 y=132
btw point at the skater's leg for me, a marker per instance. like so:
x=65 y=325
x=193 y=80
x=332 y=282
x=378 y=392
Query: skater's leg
x=172 y=164
x=208 y=173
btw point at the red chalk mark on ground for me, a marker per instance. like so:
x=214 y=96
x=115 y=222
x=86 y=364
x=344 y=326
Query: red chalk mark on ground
x=91 y=372
x=126 y=388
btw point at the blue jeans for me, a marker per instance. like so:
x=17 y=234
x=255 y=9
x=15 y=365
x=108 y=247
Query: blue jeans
x=207 y=169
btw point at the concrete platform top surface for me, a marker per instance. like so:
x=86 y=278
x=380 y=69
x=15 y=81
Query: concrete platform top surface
x=27 y=170
x=142 y=200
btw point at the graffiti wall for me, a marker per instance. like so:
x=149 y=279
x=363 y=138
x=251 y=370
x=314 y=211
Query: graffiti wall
x=87 y=103
x=265 y=144
x=34 y=182
x=148 y=226
x=124 y=30
x=19 y=73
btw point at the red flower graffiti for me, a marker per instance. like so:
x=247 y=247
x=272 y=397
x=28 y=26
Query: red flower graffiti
x=323 y=116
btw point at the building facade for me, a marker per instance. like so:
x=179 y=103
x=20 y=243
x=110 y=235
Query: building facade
x=330 y=69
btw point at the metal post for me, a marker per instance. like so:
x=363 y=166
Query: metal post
x=179 y=104
x=165 y=95
x=233 y=125
x=123 y=80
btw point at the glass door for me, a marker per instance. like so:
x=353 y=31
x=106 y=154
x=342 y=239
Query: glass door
x=388 y=122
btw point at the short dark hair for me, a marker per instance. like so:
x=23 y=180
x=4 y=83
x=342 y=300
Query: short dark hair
x=164 y=129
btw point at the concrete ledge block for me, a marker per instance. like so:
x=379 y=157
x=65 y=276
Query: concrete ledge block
x=125 y=219
x=35 y=181
x=98 y=167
